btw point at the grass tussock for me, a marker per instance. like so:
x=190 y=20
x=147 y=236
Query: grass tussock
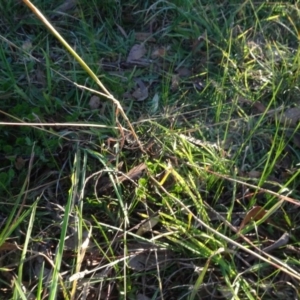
x=149 y=150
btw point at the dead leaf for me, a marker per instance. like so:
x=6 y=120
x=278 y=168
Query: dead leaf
x=255 y=214
x=133 y=174
x=254 y=174
x=197 y=42
x=296 y=139
x=40 y=77
x=138 y=262
x=225 y=291
x=122 y=31
x=282 y=241
x=19 y=163
x=27 y=45
x=39 y=261
x=144 y=36
x=8 y=247
x=259 y=106
x=142 y=297
x=291 y=116
x=159 y=52
x=141 y=93
x=184 y=72
x=175 y=82
x=127 y=95
x=66 y=6
x=148 y=259
x=94 y=102
x=154 y=103
x=243 y=100
x=136 y=52
x=148 y=225
x=237 y=30
x=199 y=85
x=71 y=241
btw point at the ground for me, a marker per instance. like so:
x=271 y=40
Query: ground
x=149 y=150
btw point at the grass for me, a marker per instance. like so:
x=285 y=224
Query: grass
x=191 y=192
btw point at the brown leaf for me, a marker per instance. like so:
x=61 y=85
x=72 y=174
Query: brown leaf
x=94 y=102
x=141 y=93
x=256 y=213
x=127 y=95
x=138 y=262
x=282 y=241
x=66 y=6
x=197 y=42
x=71 y=241
x=259 y=106
x=122 y=31
x=236 y=30
x=19 y=163
x=147 y=260
x=296 y=140
x=40 y=77
x=27 y=45
x=8 y=247
x=159 y=52
x=243 y=100
x=295 y=136
x=291 y=116
x=142 y=297
x=133 y=174
x=254 y=174
x=136 y=52
x=175 y=82
x=184 y=72
x=144 y=36
x=147 y=225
